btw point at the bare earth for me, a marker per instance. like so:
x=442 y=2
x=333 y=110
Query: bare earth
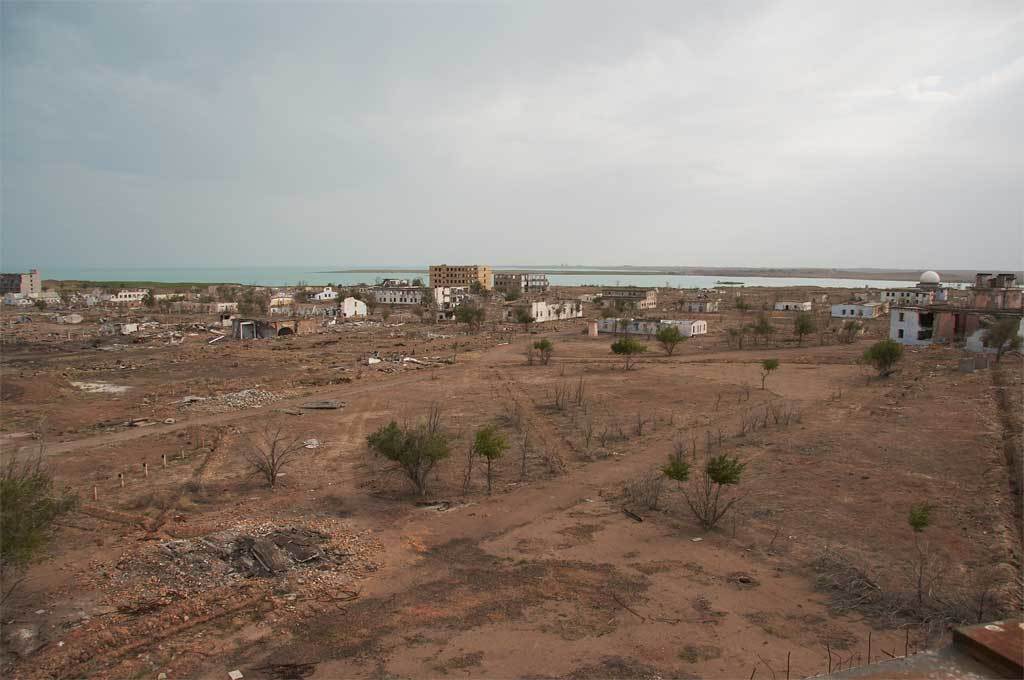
x=548 y=577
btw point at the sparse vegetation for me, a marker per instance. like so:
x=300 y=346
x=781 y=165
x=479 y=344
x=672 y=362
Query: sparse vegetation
x=883 y=355
x=471 y=314
x=850 y=330
x=29 y=505
x=545 y=348
x=768 y=366
x=644 y=492
x=763 y=328
x=628 y=348
x=271 y=450
x=704 y=496
x=416 y=448
x=490 y=445
x=919 y=518
x=669 y=338
x=803 y=324
x=524 y=317
x=1004 y=335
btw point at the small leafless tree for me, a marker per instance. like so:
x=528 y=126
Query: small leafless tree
x=645 y=491
x=525 y=446
x=272 y=449
x=587 y=430
x=560 y=398
x=580 y=392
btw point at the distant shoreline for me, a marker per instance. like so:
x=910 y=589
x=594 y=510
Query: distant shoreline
x=796 y=272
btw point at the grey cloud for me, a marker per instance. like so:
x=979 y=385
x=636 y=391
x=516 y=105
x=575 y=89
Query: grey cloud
x=788 y=133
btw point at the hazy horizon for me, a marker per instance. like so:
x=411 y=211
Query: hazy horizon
x=754 y=134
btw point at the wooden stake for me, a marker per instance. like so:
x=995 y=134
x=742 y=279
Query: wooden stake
x=120 y=477
x=163 y=457
x=906 y=645
x=869 y=647
x=95 y=493
x=145 y=469
x=787 y=665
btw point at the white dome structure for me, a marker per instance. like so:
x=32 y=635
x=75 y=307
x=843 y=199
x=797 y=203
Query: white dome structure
x=929 y=277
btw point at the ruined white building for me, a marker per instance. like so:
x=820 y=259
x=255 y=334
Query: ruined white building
x=687 y=328
x=326 y=294
x=542 y=311
x=791 y=306
x=858 y=310
x=399 y=295
x=351 y=307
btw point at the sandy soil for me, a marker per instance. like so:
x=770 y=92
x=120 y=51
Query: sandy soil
x=548 y=576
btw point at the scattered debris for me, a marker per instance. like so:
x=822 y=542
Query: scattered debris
x=250 y=398
x=23 y=640
x=100 y=387
x=323 y=404
x=632 y=515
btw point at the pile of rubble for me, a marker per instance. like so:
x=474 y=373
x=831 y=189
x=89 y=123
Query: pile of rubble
x=250 y=398
x=247 y=551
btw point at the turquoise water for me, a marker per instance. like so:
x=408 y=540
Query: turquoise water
x=319 y=276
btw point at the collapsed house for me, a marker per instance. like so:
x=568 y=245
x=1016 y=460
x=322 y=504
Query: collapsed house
x=253 y=329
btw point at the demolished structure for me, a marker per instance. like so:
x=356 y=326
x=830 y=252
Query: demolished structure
x=253 y=329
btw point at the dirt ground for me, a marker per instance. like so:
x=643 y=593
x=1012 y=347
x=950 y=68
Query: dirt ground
x=550 y=576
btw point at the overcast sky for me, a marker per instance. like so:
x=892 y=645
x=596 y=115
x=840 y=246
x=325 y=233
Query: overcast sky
x=885 y=134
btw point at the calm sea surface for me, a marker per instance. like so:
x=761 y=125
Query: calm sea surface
x=282 y=276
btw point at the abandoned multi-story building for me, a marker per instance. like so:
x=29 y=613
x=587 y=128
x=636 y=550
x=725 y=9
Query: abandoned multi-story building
x=399 y=295
x=906 y=296
x=997 y=292
x=462 y=275
x=629 y=297
x=27 y=284
x=542 y=311
x=929 y=289
x=520 y=282
x=447 y=299
x=992 y=298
